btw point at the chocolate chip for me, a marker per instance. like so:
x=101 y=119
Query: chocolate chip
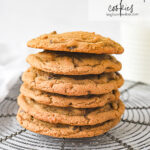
x=51 y=41
x=72 y=47
x=114 y=92
x=32 y=118
x=54 y=32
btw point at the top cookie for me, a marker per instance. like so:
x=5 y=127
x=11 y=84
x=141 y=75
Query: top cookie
x=79 y=41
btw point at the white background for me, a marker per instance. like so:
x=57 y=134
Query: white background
x=21 y=20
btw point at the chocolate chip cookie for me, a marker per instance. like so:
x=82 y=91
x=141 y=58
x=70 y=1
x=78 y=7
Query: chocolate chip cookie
x=72 y=85
x=88 y=101
x=83 y=42
x=73 y=63
x=71 y=116
x=63 y=131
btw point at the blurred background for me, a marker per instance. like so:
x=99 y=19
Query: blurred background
x=22 y=20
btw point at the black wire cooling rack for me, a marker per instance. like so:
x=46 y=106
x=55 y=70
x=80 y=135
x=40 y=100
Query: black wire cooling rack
x=133 y=132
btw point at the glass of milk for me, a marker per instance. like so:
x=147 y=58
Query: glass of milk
x=135 y=38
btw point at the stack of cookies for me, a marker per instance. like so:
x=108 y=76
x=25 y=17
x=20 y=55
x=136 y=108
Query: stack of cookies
x=71 y=88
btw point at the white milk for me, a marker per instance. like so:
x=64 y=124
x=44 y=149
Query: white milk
x=135 y=37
